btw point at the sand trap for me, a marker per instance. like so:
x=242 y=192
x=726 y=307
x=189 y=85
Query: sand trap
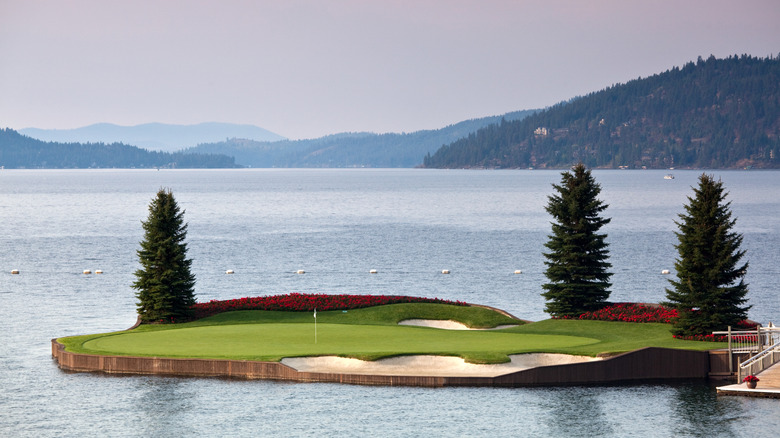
x=447 y=325
x=434 y=366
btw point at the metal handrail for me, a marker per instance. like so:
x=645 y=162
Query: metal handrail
x=758 y=338
x=768 y=350
x=759 y=360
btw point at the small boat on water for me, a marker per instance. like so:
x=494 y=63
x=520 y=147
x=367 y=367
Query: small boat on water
x=668 y=176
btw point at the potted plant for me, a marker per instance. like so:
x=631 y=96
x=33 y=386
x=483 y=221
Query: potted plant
x=751 y=381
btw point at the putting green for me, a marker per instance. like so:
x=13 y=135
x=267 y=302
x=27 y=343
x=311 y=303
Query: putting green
x=373 y=333
x=273 y=341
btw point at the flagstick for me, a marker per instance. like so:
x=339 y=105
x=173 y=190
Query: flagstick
x=315 y=326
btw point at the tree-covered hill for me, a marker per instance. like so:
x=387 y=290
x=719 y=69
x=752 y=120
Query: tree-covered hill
x=350 y=149
x=19 y=151
x=714 y=113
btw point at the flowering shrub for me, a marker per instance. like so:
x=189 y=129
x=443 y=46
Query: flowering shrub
x=747 y=325
x=740 y=339
x=631 y=312
x=297 y=302
x=634 y=312
x=750 y=378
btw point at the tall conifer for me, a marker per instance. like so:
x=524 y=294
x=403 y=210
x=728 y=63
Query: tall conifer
x=165 y=285
x=709 y=293
x=577 y=262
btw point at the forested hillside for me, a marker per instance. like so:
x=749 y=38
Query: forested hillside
x=714 y=113
x=19 y=151
x=350 y=149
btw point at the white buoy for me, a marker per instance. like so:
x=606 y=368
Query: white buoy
x=15 y=271
x=665 y=272
x=87 y=271
x=229 y=271
x=300 y=271
x=373 y=271
x=518 y=272
x=98 y=271
x=445 y=271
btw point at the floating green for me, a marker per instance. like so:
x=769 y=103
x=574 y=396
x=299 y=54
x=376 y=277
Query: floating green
x=374 y=333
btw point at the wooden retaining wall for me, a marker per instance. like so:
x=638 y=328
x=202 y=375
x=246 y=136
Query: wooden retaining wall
x=719 y=364
x=639 y=365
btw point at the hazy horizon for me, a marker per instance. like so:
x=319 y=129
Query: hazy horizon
x=306 y=69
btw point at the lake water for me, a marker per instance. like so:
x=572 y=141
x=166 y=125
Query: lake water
x=337 y=225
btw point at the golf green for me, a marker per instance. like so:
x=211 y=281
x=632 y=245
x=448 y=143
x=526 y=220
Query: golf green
x=273 y=341
x=373 y=333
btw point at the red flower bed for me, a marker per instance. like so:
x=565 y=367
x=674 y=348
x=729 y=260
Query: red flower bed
x=747 y=325
x=296 y=302
x=742 y=325
x=632 y=312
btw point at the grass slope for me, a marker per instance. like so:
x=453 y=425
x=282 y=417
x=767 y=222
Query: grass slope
x=373 y=333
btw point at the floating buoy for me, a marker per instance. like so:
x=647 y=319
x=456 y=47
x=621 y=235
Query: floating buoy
x=665 y=272
x=300 y=271
x=15 y=271
x=87 y=271
x=518 y=272
x=98 y=271
x=229 y=271
x=445 y=271
x=373 y=271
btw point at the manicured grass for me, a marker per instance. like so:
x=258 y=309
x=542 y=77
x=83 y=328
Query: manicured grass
x=392 y=314
x=275 y=341
x=614 y=336
x=373 y=333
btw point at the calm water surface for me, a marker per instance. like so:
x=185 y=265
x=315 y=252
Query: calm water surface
x=337 y=225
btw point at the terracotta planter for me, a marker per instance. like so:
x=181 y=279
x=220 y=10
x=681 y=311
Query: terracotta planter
x=752 y=385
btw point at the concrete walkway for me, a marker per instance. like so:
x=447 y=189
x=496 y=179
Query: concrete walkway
x=768 y=385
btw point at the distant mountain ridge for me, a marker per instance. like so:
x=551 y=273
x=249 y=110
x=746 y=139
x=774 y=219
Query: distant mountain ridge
x=153 y=136
x=361 y=149
x=19 y=151
x=357 y=149
x=714 y=113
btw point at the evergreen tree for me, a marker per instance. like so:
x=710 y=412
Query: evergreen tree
x=709 y=293
x=576 y=263
x=164 y=282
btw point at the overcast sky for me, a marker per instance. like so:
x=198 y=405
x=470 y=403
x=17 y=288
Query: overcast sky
x=309 y=68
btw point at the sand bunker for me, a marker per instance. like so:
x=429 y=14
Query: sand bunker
x=434 y=366
x=447 y=325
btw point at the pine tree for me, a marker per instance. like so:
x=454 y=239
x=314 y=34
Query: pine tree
x=165 y=286
x=576 y=263
x=709 y=293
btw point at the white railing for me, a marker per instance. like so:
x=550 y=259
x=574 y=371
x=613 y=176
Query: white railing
x=763 y=343
x=760 y=361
